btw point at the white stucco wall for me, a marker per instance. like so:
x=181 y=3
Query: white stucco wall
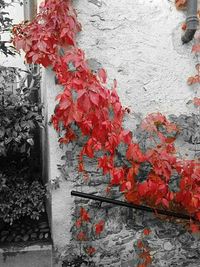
x=138 y=43
x=60 y=203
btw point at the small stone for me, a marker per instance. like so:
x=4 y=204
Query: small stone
x=25 y=238
x=41 y=236
x=168 y=246
x=105 y=243
x=33 y=236
x=119 y=242
x=23 y=231
x=127 y=240
x=43 y=225
x=36 y=230
x=46 y=230
x=46 y=235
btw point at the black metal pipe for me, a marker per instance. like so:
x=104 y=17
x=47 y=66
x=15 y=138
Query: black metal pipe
x=133 y=206
x=191 y=21
x=188 y=36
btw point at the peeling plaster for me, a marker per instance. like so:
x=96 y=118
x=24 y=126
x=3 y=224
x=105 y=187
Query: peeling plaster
x=97 y=3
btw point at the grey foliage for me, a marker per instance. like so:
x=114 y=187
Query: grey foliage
x=189 y=127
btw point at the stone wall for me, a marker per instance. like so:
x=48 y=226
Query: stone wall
x=138 y=43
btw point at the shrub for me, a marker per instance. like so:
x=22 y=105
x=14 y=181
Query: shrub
x=18 y=118
x=19 y=198
x=21 y=194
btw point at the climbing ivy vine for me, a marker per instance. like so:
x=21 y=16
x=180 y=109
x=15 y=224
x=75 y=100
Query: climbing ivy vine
x=89 y=111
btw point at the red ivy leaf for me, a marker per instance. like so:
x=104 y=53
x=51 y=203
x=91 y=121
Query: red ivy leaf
x=64 y=103
x=84 y=215
x=99 y=227
x=81 y=167
x=181 y=4
x=134 y=153
x=196 y=48
x=146 y=231
x=198 y=215
x=165 y=202
x=81 y=236
x=94 y=98
x=140 y=244
x=63 y=32
x=117 y=176
x=90 y=251
x=184 y=26
x=81 y=93
x=194 y=228
x=102 y=75
x=19 y=44
x=126 y=136
x=196 y=101
x=78 y=223
x=143 y=188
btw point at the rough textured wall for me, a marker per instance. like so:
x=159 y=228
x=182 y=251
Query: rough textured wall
x=138 y=43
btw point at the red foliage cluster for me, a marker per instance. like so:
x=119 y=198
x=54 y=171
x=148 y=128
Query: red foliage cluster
x=144 y=253
x=90 y=251
x=196 y=101
x=86 y=229
x=97 y=112
x=181 y=4
x=54 y=27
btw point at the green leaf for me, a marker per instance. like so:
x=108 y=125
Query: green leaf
x=30 y=141
x=8 y=140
